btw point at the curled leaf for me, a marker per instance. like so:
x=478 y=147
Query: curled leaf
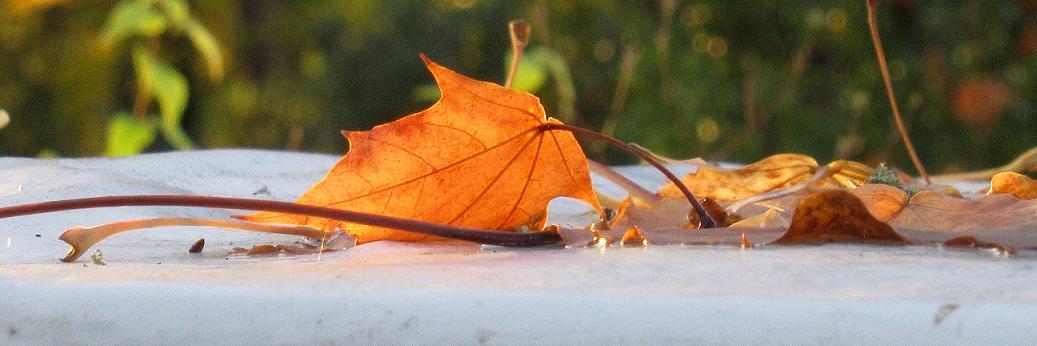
x=633 y=237
x=770 y=174
x=836 y=216
x=840 y=173
x=1015 y=184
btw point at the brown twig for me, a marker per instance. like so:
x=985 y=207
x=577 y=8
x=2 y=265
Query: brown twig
x=707 y=220
x=519 y=31
x=881 y=55
x=482 y=236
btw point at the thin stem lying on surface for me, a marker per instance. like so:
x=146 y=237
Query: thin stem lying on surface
x=881 y=55
x=519 y=31
x=82 y=238
x=707 y=221
x=1024 y=163
x=635 y=190
x=482 y=236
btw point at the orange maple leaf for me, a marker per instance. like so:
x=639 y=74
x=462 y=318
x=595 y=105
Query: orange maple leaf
x=478 y=158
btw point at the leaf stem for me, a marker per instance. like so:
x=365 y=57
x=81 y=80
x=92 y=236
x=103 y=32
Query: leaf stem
x=636 y=191
x=881 y=55
x=482 y=236
x=83 y=238
x=707 y=220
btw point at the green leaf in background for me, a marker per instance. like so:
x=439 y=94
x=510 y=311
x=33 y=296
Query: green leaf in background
x=425 y=93
x=537 y=64
x=133 y=18
x=206 y=45
x=531 y=74
x=128 y=135
x=176 y=11
x=169 y=88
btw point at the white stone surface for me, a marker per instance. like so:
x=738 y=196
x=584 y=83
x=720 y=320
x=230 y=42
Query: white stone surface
x=153 y=292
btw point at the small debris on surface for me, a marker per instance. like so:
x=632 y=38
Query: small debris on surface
x=967 y=241
x=262 y=191
x=197 y=246
x=38 y=235
x=945 y=311
x=97 y=258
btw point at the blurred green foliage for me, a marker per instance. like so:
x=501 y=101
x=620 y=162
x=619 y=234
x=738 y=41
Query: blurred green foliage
x=734 y=80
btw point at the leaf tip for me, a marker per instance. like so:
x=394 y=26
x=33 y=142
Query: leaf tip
x=428 y=61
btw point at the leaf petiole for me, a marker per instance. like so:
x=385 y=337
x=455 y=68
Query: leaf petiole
x=707 y=220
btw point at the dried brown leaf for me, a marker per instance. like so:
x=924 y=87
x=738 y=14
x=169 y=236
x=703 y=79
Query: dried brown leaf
x=836 y=216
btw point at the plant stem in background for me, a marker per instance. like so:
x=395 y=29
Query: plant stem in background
x=627 y=63
x=881 y=55
x=519 y=31
x=294 y=141
x=142 y=100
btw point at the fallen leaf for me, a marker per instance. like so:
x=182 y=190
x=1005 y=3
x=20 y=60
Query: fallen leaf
x=932 y=217
x=970 y=242
x=477 y=158
x=772 y=173
x=633 y=237
x=666 y=213
x=1015 y=184
x=836 y=216
x=883 y=201
x=768 y=219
